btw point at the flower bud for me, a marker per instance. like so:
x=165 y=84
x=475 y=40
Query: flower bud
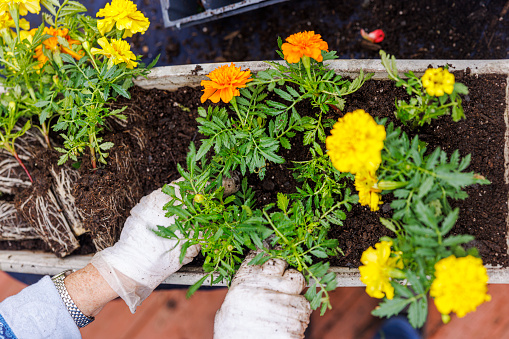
x=86 y=46
x=230 y=248
x=199 y=198
x=12 y=106
x=446 y=318
x=396 y=273
x=390 y=185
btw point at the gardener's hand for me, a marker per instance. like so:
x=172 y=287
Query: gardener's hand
x=264 y=302
x=141 y=260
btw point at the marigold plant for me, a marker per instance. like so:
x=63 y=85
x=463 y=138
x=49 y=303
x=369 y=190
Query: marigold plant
x=224 y=83
x=438 y=81
x=125 y=16
x=355 y=143
x=57 y=76
x=434 y=94
x=302 y=44
x=460 y=285
x=379 y=266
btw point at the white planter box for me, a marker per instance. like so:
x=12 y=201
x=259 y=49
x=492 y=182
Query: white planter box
x=173 y=77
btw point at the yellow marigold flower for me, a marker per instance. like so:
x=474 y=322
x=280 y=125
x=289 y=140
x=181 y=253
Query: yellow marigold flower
x=124 y=14
x=356 y=142
x=378 y=269
x=25 y=6
x=118 y=51
x=369 y=193
x=224 y=83
x=460 y=285
x=6 y=21
x=438 y=81
x=304 y=44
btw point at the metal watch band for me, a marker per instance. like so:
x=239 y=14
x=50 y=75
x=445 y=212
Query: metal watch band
x=79 y=318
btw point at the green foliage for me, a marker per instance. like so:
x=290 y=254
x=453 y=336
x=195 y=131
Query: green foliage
x=10 y=115
x=422 y=217
x=247 y=135
x=431 y=178
x=83 y=109
x=321 y=86
x=54 y=90
x=245 y=140
x=422 y=107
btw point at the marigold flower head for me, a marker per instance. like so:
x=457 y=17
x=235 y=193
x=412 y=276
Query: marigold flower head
x=356 y=142
x=224 y=83
x=52 y=44
x=438 y=81
x=124 y=14
x=304 y=44
x=118 y=51
x=6 y=21
x=369 y=193
x=378 y=268
x=24 y=6
x=460 y=285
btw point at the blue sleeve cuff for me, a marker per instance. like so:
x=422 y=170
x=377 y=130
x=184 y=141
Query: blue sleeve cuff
x=5 y=330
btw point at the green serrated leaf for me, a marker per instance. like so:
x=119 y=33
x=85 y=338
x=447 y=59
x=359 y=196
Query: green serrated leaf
x=391 y=307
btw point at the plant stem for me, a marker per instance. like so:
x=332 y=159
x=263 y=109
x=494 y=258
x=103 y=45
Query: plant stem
x=45 y=133
x=92 y=151
x=15 y=155
x=58 y=13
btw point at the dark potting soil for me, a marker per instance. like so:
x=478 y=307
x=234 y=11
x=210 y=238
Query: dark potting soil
x=162 y=124
x=167 y=120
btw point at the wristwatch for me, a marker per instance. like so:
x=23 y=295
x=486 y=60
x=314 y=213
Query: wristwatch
x=79 y=318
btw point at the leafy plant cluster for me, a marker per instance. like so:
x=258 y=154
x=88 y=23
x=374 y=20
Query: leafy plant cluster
x=422 y=107
x=248 y=137
x=56 y=83
x=422 y=219
x=261 y=125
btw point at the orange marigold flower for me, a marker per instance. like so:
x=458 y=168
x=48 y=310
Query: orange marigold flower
x=224 y=83
x=53 y=45
x=304 y=44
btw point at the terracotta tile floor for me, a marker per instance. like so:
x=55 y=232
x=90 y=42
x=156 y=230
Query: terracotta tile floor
x=167 y=314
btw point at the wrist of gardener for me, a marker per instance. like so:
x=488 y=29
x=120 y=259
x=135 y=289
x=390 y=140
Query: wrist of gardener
x=89 y=290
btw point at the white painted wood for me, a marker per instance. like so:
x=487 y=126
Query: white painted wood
x=172 y=77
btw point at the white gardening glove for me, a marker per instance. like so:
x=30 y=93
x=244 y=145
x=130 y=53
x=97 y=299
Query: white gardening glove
x=264 y=302
x=141 y=260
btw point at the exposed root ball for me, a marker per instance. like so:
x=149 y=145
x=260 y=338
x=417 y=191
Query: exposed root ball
x=64 y=179
x=41 y=209
x=12 y=225
x=12 y=174
x=104 y=198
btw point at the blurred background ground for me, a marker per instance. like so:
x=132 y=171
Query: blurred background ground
x=415 y=29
